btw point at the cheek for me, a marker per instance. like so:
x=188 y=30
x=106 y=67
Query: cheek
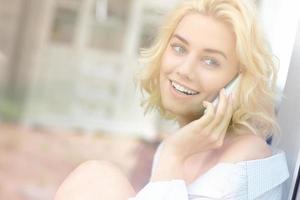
x=169 y=62
x=209 y=81
x=213 y=83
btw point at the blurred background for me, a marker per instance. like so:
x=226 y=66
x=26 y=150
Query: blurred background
x=67 y=90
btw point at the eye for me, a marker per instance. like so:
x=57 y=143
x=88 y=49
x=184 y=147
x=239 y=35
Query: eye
x=210 y=62
x=179 y=49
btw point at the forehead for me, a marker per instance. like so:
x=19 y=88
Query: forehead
x=204 y=31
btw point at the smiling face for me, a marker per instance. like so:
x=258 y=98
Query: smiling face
x=199 y=61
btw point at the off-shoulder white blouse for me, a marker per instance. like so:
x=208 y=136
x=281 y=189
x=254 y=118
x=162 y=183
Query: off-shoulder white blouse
x=260 y=179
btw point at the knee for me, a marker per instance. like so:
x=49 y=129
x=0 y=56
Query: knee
x=106 y=174
x=98 y=165
x=88 y=177
x=98 y=168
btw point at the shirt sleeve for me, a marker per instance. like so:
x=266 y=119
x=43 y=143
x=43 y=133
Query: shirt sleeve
x=163 y=190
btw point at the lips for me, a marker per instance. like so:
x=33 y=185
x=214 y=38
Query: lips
x=183 y=89
x=181 y=92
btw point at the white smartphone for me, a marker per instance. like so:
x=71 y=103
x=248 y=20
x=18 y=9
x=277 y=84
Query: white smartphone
x=229 y=88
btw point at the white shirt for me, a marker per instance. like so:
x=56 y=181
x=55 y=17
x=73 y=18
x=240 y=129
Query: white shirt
x=260 y=179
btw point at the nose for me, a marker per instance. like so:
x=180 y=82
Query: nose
x=186 y=68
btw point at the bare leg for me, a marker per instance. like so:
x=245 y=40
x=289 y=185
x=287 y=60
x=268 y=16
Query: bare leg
x=95 y=180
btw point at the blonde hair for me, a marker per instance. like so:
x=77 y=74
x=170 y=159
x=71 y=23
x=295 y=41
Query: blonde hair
x=256 y=111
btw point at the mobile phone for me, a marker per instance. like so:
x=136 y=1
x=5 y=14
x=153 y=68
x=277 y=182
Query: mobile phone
x=229 y=88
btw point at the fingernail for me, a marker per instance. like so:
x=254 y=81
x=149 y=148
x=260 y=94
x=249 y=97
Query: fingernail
x=223 y=92
x=205 y=103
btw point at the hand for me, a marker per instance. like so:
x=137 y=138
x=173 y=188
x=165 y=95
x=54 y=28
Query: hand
x=203 y=134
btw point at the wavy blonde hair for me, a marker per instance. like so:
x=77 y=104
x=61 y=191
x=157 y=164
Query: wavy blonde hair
x=256 y=111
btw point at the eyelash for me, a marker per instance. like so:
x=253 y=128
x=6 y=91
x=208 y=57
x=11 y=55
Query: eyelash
x=177 y=45
x=214 y=61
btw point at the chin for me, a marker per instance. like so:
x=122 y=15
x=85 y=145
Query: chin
x=182 y=111
x=185 y=107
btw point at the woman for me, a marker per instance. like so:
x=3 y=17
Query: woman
x=219 y=152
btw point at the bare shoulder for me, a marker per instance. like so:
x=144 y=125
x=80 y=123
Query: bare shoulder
x=246 y=147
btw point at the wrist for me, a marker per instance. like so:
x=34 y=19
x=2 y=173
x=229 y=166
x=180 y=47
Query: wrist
x=169 y=167
x=172 y=152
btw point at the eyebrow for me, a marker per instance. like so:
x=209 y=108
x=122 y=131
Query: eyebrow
x=209 y=50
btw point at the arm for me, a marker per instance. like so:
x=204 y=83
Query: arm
x=167 y=181
x=200 y=135
x=227 y=181
x=169 y=167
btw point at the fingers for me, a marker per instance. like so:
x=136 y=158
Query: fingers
x=209 y=115
x=223 y=125
x=221 y=110
x=222 y=107
x=235 y=99
x=217 y=115
x=218 y=126
x=214 y=121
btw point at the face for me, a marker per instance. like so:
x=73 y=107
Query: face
x=198 y=62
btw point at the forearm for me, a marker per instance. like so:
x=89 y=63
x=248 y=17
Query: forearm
x=169 y=167
x=167 y=180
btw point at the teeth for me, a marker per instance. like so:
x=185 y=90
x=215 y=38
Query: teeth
x=182 y=89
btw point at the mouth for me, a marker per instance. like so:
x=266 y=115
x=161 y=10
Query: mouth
x=183 y=89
